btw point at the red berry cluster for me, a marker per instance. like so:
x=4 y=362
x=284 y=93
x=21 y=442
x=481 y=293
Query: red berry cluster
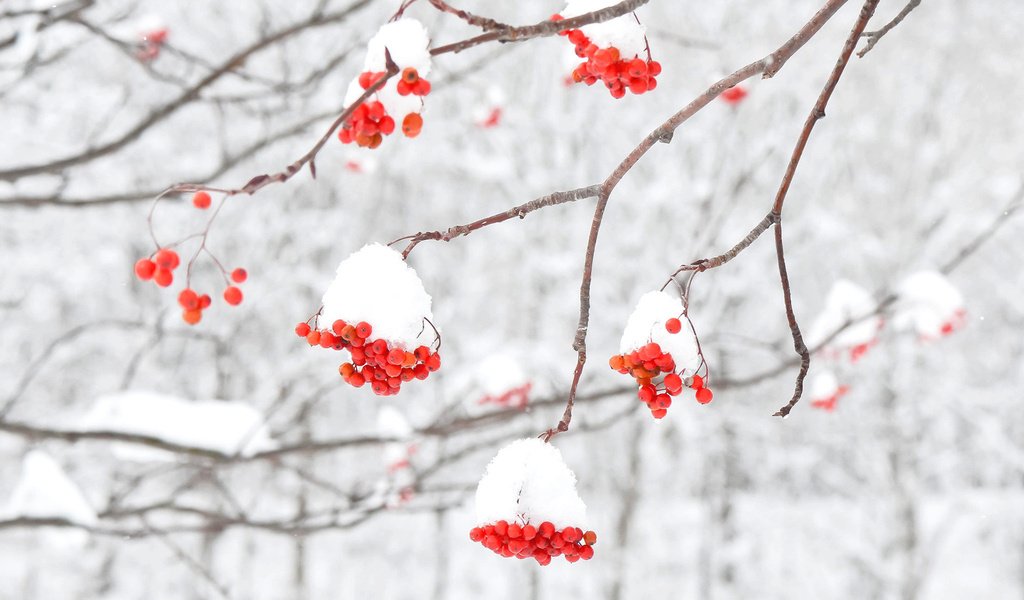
x=374 y=361
x=149 y=47
x=370 y=122
x=648 y=363
x=160 y=268
x=518 y=397
x=618 y=73
x=542 y=543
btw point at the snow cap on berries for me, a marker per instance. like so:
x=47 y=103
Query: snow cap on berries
x=528 y=482
x=624 y=32
x=929 y=304
x=846 y=302
x=409 y=45
x=375 y=285
x=647 y=324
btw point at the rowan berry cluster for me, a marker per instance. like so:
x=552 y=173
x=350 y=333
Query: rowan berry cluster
x=374 y=361
x=618 y=72
x=649 y=363
x=541 y=542
x=517 y=397
x=370 y=121
x=160 y=269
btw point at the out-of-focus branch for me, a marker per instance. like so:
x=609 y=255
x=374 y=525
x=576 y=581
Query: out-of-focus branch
x=185 y=98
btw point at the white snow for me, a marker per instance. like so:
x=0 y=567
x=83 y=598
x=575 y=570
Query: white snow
x=44 y=491
x=222 y=426
x=375 y=285
x=824 y=385
x=499 y=373
x=409 y=44
x=624 y=32
x=927 y=302
x=647 y=324
x=528 y=482
x=846 y=302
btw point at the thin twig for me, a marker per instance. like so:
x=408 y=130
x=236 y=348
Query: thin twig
x=874 y=36
x=817 y=113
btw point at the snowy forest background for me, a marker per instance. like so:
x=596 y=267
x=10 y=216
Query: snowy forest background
x=912 y=488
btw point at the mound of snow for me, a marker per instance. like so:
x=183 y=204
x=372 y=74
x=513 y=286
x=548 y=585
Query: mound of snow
x=375 y=285
x=846 y=302
x=647 y=324
x=929 y=304
x=44 y=491
x=227 y=427
x=528 y=482
x=624 y=33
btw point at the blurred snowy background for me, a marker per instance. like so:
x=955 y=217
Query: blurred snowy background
x=911 y=487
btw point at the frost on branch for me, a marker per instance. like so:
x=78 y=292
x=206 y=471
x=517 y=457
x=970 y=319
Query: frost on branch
x=44 y=491
x=399 y=102
x=527 y=506
x=377 y=310
x=826 y=391
x=930 y=305
x=615 y=51
x=846 y=303
x=659 y=349
x=221 y=426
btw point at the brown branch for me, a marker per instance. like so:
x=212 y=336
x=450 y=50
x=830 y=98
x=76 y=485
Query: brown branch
x=710 y=263
x=767 y=67
x=817 y=113
x=874 y=36
x=520 y=212
x=484 y=23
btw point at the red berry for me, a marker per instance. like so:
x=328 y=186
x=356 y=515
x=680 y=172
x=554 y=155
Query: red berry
x=434 y=362
x=201 y=200
x=166 y=258
x=205 y=301
x=233 y=295
x=163 y=277
x=586 y=552
x=673 y=325
x=239 y=275
x=654 y=68
x=704 y=395
x=529 y=532
x=590 y=538
x=144 y=269
x=673 y=383
x=188 y=299
x=313 y=337
x=302 y=329
x=476 y=534
x=363 y=329
x=356 y=380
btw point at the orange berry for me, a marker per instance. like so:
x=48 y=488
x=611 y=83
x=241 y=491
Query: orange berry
x=201 y=200
x=313 y=337
x=412 y=124
x=192 y=316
